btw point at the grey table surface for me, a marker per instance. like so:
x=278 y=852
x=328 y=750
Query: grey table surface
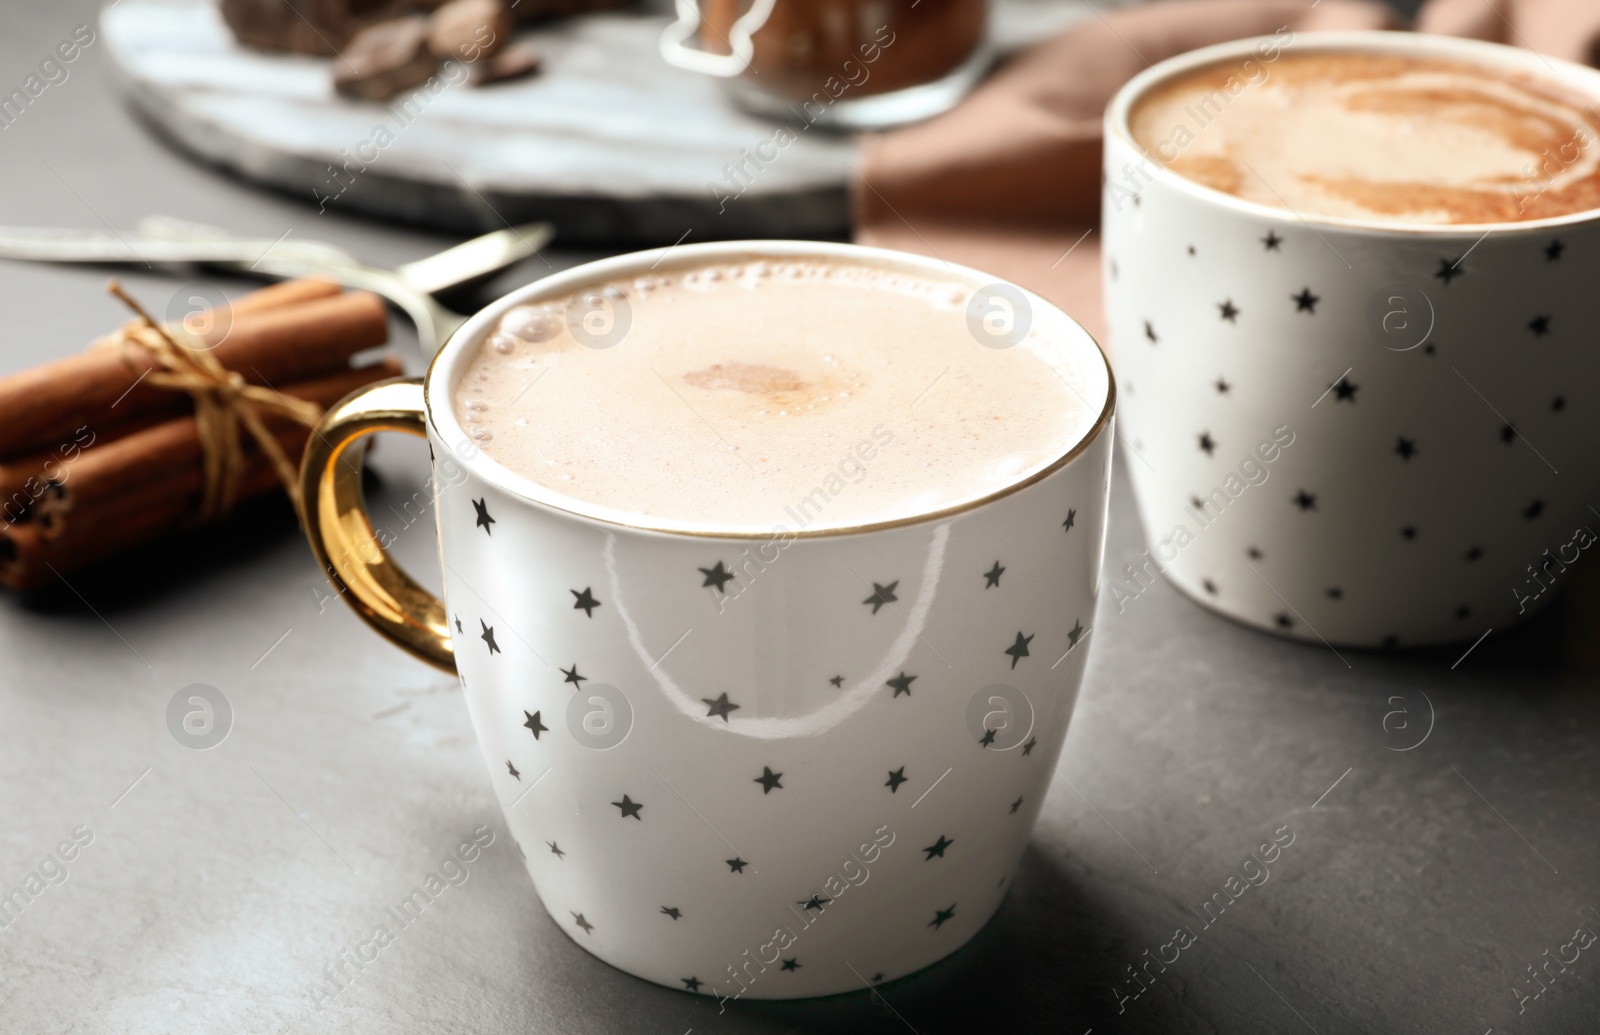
x=1443 y=810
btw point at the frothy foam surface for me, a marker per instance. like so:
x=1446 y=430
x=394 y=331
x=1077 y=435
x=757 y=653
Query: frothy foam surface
x=1378 y=137
x=754 y=394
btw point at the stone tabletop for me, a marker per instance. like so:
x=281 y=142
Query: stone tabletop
x=607 y=142
x=1435 y=810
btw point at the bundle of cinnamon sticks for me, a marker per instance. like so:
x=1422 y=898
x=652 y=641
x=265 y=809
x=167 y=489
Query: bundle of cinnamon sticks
x=96 y=457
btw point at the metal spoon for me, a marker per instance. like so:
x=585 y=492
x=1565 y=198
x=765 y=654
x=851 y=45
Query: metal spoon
x=410 y=287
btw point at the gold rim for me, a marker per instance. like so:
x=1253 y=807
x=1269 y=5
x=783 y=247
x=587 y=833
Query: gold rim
x=575 y=508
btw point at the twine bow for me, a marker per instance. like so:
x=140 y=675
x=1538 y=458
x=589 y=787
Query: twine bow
x=223 y=400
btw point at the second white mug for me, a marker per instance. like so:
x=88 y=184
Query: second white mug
x=1344 y=431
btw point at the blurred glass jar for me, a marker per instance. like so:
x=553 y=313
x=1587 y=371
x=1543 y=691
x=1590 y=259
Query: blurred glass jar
x=849 y=64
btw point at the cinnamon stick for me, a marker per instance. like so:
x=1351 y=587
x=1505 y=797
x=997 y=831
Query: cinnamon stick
x=285 y=292
x=21 y=476
x=211 y=324
x=25 y=479
x=42 y=407
x=104 y=475
x=145 y=485
x=30 y=558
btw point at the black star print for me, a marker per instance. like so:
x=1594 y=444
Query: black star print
x=814 y=902
x=1230 y=312
x=1208 y=445
x=691 y=983
x=1462 y=612
x=718 y=577
x=1406 y=448
x=1344 y=391
x=1209 y=586
x=484 y=520
x=988 y=738
x=737 y=864
x=1197 y=503
x=721 y=706
x=535 y=725
x=1074 y=632
x=1305 y=301
x=588 y=928
x=1018 y=650
x=941 y=915
x=1409 y=532
x=487 y=636
x=1272 y=240
x=1222 y=386
x=901 y=684
x=1508 y=433
x=1428 y=348
x=896 y=778
x=556 y=851
x=1540 y=326
x=1253 y=553
x=1027 y=749
x=837 y=681
x=768 y=780
x=1558 y=404
x=1534 y=510
x=1150 y=332
x=1305 y=500
x=672 y=911
x=1473 y=554
x=791 y=964
x=1014 y=806
x=1284 y=621
x=1552 y=252
x=513 y=771
x=938 y=847
x=993 y=575
x=585 y=601
x=1449 y=270
x=630 y=807
x=882 y=595
x=458 y=624
x=572 y=676
x=1072 y=517
x=1191 y=249
x=1335 y=593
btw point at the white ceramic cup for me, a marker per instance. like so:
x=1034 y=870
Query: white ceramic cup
x=1346 y=431
x=745 y=765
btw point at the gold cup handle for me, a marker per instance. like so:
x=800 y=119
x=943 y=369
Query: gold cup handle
x=341 y=534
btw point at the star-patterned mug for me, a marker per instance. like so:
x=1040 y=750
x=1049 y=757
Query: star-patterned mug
x=771 y=766
x=1345 y=431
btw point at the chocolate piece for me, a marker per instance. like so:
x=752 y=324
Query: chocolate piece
x=385 y=59
x=326 y=26
x=514 y=62
x=469 y=30
x=307 y=26
x=539 y=10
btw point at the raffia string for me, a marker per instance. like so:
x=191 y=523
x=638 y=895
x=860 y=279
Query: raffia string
x=223 y=400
